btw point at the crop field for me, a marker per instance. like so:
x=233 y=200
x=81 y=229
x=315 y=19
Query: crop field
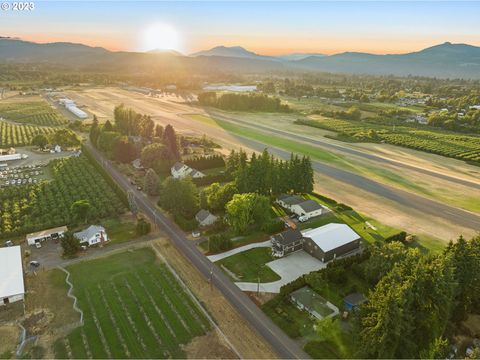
x=133 y=307
x=20 y=135
x=47 y=204
x=32 y=112
x=459 y=146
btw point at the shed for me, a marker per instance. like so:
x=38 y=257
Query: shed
x=47 y=234
x=205 y=218
x=354 y=300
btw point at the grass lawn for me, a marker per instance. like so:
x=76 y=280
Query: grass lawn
x=250 y=265
x=133 y=308
x=120 y=231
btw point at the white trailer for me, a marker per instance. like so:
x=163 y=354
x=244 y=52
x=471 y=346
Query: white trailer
x=10 y=157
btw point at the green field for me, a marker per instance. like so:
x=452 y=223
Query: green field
x=31 y=112
x=249 y=265
x=20 y=135
x=459 y=146
x=133 y=307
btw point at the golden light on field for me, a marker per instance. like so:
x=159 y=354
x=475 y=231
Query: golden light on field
x=160 y=37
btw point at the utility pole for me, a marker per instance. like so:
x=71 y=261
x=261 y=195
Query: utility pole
x=210 y=279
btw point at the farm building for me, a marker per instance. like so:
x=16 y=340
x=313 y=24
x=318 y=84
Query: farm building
x=331 y=240
x=180 y=170
x=308 y=209
x=72 y=107
x=286 y=242
x=94 y=234
x=205 y=218
x=12 y=288
x=308 y=300
x=354 y=300
x=48 y=234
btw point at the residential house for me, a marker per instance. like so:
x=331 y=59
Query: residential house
x=330 y=241
x=92 y=235
x=180 y=170
x=308 y=209
x=205 y=218
x=44 y=235
x=286 y=242
x=12 y=287
x=287 y=201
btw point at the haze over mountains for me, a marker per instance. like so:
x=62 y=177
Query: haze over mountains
x=446 y=60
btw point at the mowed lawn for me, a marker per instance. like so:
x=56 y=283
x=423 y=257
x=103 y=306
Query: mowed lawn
x=250 y=265
x=133 y=308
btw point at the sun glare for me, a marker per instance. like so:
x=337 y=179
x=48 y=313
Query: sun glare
x=160 y=37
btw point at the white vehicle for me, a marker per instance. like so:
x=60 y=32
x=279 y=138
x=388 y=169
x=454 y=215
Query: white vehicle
x=303 y=218
x=196 y=233
x=38 y=245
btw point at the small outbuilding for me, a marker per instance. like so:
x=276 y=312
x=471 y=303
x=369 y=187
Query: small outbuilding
x=12 y=287
x=44 y=235
x=205 y=218
x=354 y=300
x=94 y=234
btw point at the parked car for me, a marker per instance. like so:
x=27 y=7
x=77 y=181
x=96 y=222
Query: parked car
x=9 y=243
x=196 y=233
x=38 y=245
x=302 y=218
x=34 y=263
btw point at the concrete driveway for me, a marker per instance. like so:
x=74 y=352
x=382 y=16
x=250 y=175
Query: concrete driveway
x=289 y=268
x=214 y=258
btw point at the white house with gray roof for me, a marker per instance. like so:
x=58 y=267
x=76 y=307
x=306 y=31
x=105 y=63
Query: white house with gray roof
x=205 y=218
x=180 y=170
x=308 y=209
x=94 y=234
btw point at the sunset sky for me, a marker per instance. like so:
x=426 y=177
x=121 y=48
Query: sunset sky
x=269 y=28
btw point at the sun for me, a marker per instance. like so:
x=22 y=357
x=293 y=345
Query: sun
x=160 y=37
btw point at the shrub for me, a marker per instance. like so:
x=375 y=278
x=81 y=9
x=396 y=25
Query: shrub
x=273 y=226
x=218 y=243
x=185 y=224
x=143 y=227
x=401 y=236
x=206 y=162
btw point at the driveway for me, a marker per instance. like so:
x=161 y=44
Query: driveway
x=289 y=268
x=214 y=258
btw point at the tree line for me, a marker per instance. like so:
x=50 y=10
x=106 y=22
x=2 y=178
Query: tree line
x=242 y=102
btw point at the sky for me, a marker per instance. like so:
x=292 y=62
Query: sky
x=269 y=28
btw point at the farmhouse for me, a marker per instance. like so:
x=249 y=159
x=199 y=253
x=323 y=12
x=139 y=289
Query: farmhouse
x=286 y=242
x=48 y=234
x=92 y=235
x=287 y=201
x=308 y=209
x=12 y=288
x=205 y=218
x=330 y=241
x=180 y=170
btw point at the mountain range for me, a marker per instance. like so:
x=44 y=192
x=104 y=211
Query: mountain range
x=446 y=60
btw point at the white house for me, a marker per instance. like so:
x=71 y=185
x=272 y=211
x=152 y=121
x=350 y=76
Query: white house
x=46 y=235
x=287 y=201
x=94 y=234
x=12 y=288
x=205 y=218
x=308 y=209
x=180 y=170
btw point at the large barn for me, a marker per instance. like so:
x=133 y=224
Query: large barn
x=12 y=288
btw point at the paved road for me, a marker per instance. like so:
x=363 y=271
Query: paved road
x=281 y=343
x=328 y=145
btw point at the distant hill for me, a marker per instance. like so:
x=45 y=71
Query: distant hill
x=443 y=61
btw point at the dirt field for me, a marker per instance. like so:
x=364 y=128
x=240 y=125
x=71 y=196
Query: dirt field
x=243 y=338
x=101 y=101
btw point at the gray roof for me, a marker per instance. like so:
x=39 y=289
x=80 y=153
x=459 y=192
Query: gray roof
x=310 y=205
x=287 y=237
x=177 y=166
x=202 y=215
x=283 y=196
x=354 y=299
x=293 y=200
x=89 y=232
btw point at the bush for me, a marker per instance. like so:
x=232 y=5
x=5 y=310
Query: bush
x=186 y=224
x=273 y=226
x=325 y=199
x=143 y=227
x=342 y=207
x=401 y=236
x=210 y=179
x=218 y=243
